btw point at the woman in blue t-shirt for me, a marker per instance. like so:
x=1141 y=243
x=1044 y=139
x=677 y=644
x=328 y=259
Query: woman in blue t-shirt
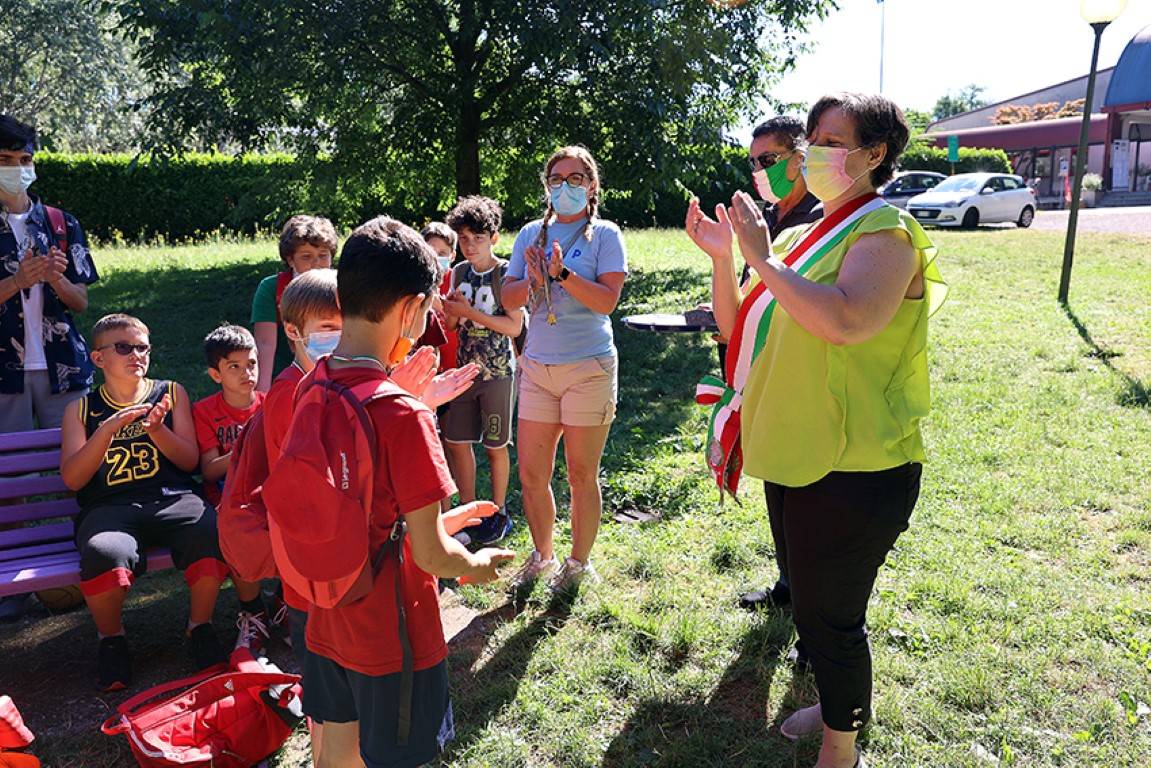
x=568 y=268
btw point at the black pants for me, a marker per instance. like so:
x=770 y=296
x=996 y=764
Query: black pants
x=831 y=537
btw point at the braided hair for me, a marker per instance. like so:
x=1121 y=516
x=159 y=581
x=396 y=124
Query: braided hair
x=592 y=169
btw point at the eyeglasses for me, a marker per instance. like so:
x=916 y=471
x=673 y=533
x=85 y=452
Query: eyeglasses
x=125 y=349
x=767 y=159
x=573 y=179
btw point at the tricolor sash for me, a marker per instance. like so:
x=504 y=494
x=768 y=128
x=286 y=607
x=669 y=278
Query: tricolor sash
x=752 y=323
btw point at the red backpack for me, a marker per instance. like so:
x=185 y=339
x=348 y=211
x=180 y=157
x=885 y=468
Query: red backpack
x=224 y=718
x=242 y=518
x=319 y=501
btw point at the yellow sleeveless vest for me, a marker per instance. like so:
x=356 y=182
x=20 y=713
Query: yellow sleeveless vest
x=810 y=407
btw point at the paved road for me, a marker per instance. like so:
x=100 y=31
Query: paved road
x=1132 y=221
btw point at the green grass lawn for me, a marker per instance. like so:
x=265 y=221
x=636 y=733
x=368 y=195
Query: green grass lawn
x=1011 y=623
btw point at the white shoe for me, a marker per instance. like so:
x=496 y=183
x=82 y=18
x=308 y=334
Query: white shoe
x=570 y=575
x=534 y=568
x=802 y=722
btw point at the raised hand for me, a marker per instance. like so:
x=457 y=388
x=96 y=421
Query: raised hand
x=467 y=515
x=57 y=262
x=750 y=228
x=33 y=269
x=449 y=385
x=712 y=236
x=486 y=565
x=155 y=418
x=124 y=417
x=416 y=372
x=534 y=258
x=555 y=260
x=456 y=305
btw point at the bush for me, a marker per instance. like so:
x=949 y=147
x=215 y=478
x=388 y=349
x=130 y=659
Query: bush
x=117 y=198
x=187 y=198
x=920 y=156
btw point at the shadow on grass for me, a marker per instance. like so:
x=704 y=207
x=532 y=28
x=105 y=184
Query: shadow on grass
x=730 y=726
x=1135 y=392
x=481 y=687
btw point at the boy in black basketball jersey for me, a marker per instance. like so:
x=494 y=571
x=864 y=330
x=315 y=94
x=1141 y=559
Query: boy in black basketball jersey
x=128 y=450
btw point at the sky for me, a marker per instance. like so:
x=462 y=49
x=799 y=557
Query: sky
x=936 y=46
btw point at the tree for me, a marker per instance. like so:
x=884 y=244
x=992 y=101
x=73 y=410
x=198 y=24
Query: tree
x=917 y=120
x=964 y=100
x=470 y=91
x=67 y=73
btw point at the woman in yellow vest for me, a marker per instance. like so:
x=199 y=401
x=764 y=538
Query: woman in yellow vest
x=826 y=388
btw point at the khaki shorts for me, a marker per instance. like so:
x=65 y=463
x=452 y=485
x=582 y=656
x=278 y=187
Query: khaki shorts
x=580 y=394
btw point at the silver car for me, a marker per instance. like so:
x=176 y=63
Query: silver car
x=908 y=184
x=970 y=199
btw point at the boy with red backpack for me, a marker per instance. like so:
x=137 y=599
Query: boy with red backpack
x=353 y=505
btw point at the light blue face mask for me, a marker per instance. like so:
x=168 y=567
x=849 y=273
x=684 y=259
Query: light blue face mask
x=568 y=200
x=321 y=343
x=445 y=263
x=15 y=179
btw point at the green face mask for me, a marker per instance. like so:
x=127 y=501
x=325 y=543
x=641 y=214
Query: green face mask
x=772 y=184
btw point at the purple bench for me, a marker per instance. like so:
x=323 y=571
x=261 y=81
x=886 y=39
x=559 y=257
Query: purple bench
x=42 y=554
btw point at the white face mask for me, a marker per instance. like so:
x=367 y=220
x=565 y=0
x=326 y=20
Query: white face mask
x=15 y=179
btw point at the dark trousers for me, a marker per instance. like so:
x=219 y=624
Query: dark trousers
x=832 y=536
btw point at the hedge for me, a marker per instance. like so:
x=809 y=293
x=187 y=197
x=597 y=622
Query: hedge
x=920 y=156
x=117 y=198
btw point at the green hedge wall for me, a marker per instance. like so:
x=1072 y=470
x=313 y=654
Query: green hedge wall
x=919 y=156
x=191 y=197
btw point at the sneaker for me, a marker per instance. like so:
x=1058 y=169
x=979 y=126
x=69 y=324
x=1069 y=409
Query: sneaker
x=778 y=597
x=491 y=530
x=113 y=664
x=281 y=625
x=533 y=569
x=254 y=632
x=571 y=574
x=205 y=647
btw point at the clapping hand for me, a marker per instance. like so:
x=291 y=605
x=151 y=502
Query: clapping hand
x=713 y=236
x=449 y=385
x=416 y=372
x=750 y=228
x=57 y=264
x=155 y=418
x=486 y=565
x=534 y=257
x=124 y=417
x=555 y=260
x=33 y=269
x=457 y=306
x=467 y=515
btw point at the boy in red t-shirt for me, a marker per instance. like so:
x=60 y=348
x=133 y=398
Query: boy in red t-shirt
x=230 y=352
x=386 y=280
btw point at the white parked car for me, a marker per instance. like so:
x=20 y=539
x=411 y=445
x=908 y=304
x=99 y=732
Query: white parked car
x=971 y=199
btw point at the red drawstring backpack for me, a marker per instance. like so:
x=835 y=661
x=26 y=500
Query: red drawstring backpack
x=224 y=718
x=319 y=502
x=14 y=735
x=242 y=518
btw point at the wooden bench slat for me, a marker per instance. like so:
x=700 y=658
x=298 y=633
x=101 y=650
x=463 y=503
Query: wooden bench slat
x=33 y=461
x=38 y=510
x=59 y=571
x=39 y=534
x=11 y=442
x=18 y=487
x=28 y=553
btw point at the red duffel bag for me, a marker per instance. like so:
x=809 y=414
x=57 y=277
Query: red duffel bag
x=224 y=718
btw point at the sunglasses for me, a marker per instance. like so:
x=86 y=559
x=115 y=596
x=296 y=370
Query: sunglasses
x=125 y=349
x=766 y=160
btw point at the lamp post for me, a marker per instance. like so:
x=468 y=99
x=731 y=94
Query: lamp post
x=1097 y=13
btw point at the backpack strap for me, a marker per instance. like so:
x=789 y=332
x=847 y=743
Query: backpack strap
x=59 y=226
x=497 y=282
x=282 y=281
